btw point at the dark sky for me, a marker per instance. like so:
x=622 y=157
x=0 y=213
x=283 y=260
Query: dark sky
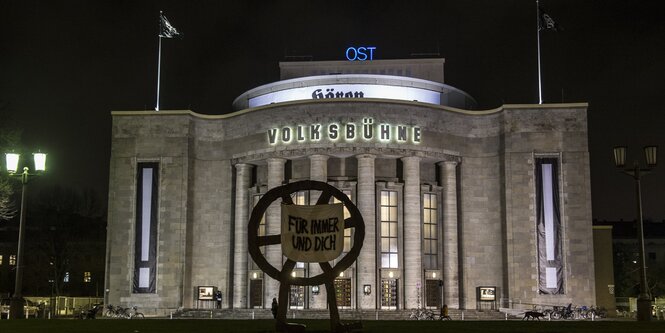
x=64 y=65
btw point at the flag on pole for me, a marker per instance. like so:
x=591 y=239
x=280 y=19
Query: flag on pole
x=546 y=22
x=166 y=30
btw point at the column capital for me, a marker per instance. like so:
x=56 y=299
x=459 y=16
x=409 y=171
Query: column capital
x=275 y=160
x=319 y=157
x=243 y=166
x=411 y=158
x=366 y=156
x=449 y=162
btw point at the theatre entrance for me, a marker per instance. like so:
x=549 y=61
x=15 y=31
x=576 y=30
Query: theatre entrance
x=389 y=293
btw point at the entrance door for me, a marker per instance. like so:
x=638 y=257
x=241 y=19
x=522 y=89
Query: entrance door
x=389 y=293
x=432 y=294
x=343 y=292
x=255 y=294
x=297 y=297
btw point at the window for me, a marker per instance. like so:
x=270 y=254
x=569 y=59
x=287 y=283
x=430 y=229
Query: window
x=300 y=198
x=12 y=260
x=262 y=223
x=347 y=232
x=262 y=229
x=87 y=278
x=388 y=205
x=66 y=278
x=0 y=259
x=297 y=297
x=430 y=231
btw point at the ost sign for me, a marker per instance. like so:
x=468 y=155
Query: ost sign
x=312 y=233
x=361 y=53
x=349 y=132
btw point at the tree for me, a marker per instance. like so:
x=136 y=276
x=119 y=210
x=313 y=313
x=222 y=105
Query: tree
x=67 y=239
x=7 y=209
x=9 y=137
x=627 y=272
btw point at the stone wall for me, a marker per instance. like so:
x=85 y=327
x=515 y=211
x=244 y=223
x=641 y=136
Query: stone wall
x=494 y=151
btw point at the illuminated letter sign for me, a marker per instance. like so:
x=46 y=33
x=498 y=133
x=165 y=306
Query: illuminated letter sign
x=342 y=91
x=348 y=132
x=360 y=53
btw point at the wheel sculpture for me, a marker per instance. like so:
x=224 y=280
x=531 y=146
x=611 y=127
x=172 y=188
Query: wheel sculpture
x=327 y=277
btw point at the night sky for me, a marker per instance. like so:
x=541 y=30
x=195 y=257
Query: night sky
x=65 y=65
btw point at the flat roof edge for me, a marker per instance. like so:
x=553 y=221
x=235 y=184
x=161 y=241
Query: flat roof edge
x=359 y=63
x=356 y=100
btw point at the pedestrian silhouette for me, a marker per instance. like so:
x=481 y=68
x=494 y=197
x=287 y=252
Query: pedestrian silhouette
x=274 y=307
x=444 y=313
x=218 y=298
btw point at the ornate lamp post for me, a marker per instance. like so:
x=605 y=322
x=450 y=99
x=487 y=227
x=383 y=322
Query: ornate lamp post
x=644 y=299
x=12 y=159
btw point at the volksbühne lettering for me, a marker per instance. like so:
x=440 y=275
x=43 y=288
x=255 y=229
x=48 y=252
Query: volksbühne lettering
x=368 y=131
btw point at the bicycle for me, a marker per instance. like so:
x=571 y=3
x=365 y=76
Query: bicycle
x=110 y=311
x=91 y=313
x=597 y=312
x=133 y=313
x=421 y=314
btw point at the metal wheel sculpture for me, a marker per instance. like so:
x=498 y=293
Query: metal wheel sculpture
x=327 y=277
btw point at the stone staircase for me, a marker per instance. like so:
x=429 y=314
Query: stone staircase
x=345 y=314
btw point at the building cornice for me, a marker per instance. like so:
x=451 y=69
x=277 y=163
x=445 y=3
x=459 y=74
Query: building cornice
x=353 y=100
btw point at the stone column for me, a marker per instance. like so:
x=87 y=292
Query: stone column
x=413 y=267
x=448 y=172
x=273 y=253
x=318 y=170
x=366 y=263
x=240 y=254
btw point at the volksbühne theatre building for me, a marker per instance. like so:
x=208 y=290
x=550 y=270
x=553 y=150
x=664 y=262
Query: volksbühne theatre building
x=461 y=207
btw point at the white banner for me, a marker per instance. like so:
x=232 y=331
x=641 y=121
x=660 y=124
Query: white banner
x=312 y=233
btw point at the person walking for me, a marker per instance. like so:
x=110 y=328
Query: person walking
x=274 y=308
x=444 y=313
x=218 y=298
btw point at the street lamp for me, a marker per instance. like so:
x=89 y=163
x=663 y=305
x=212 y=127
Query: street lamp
x=644 y=299
x=12 y=159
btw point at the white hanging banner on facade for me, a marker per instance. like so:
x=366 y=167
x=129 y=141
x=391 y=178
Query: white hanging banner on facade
x=548 y=227
x=312 y=233
x=145 y=229
x=341 y=91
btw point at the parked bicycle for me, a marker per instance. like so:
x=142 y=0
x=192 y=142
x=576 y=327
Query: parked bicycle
x=577 y=312
x=597 y=312
x=90 y=313
x=111 y=311
x=120 y=312
x=421 y=314
x=133 y=313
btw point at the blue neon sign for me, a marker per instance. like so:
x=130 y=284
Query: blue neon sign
x=360 y=53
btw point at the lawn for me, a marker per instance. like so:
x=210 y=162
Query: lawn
x=209 y=326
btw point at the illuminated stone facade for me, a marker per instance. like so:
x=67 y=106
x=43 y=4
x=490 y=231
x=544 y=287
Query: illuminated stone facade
x=448 y=195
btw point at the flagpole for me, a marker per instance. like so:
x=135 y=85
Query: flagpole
x=166 y=30
x=540 y=89
x=159 y=70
